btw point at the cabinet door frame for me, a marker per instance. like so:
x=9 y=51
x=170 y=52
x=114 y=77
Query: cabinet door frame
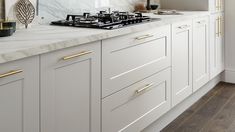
x=203 y=79
x=179 y=96
x=51 y=61
x=25 y=75
x=216 y=45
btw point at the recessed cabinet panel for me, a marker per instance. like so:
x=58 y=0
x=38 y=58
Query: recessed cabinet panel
x=19 y=96
x=200 y=52
x=181 y=61
x=11 y=102
x=137 y=106
x=129 y=59
x=70 y=95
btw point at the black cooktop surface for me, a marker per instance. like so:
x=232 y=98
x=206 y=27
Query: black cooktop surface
x=104 y=20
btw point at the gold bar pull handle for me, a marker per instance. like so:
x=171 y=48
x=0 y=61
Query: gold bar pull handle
x=77 y=55
x=217 y=27
x=146 y=87
x=10 y=73
x=221 y=26
x=144 y=37
x=217 y=5
x=220 y=5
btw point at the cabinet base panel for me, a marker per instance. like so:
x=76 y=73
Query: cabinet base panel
x=229 y=76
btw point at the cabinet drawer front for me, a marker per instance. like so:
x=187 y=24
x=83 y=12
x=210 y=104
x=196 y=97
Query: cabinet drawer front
x=123 y=66
x=137 y=106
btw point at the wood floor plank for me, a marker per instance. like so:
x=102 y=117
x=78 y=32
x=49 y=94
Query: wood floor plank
x=199 y=116
x=223 y=121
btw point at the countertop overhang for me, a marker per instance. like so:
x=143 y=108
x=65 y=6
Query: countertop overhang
x=42 y=39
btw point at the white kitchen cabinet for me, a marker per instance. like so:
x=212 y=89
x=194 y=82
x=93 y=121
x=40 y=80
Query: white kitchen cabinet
x=19 y=96
x=131 y=58
x=70 y=89
x=216 y=44
x=181 y=61
x=137 y=106
x=201 y=73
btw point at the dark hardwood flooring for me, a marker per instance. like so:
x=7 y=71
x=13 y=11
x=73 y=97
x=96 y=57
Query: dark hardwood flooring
x=215 y=112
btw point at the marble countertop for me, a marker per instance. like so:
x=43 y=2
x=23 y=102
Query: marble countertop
x=42 y=39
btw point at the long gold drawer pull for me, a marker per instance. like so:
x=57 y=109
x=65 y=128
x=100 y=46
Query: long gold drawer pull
x=221 y=26
x=77 y=55
x=144 y=37
x=217 y=5
x=144 y=88
x=10 y=73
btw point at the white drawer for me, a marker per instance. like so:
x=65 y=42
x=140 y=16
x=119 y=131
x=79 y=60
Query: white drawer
x=129 y=111
x=128 y=59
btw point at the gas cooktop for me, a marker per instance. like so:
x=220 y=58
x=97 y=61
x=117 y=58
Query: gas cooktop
x=104 y=20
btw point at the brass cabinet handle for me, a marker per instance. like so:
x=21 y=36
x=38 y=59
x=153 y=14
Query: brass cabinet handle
x=77 y=55
x=218 y=27
x=201 y=22
x=10 y=73
x=220 y=5
x=144 y=37
x=146 y=87
x=184 y=27
x=217 y=5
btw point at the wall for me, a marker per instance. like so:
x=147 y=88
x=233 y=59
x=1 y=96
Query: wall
x=230 y=40
x=1 y=9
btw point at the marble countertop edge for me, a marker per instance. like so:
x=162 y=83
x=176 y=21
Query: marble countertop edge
x=7 y=54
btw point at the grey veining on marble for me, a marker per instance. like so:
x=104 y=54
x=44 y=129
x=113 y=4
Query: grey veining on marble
x=58 y=9
x=45 y=38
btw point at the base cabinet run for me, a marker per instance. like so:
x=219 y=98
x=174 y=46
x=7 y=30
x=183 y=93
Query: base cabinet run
x=143 y=75
x=70 y=90
x=19 y=96
x=181 y=61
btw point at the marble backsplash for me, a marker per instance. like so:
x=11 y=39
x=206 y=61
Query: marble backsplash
x=58 y=9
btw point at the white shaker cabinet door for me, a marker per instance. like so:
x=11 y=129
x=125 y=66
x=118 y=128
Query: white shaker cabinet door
x=19 y=96
x=201 y=74
x=216 y=45
x=70 y=90
x=181 y=61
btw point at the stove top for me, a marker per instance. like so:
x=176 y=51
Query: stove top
x=104 y=20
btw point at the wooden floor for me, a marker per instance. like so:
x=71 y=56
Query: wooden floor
x=215 y=112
